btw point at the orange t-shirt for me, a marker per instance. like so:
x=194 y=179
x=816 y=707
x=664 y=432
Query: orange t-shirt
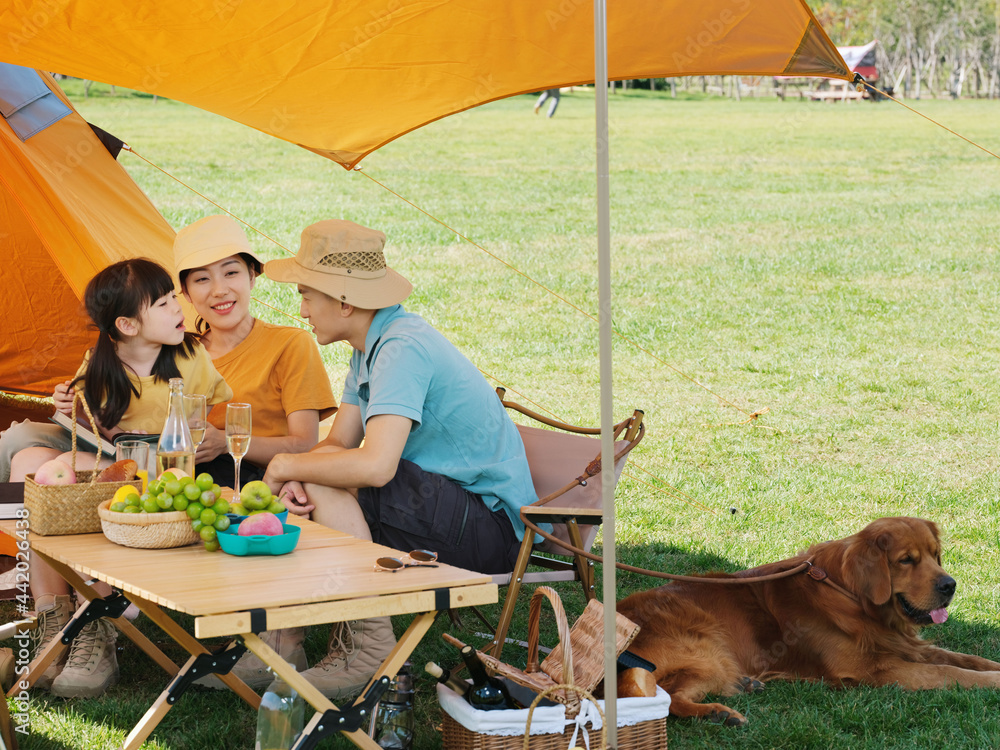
x=277 y=370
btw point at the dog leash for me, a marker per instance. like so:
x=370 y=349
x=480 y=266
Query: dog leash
x=814 y=572
x=818 y=574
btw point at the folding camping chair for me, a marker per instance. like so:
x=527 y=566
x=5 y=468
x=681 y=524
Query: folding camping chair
x=565 y=469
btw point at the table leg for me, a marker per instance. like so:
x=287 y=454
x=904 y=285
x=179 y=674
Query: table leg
x=392 y=664
x=127 y=628
x=6 y=727
x=303 y=687
x=49 y=654
x=164 y=702
x=194 y=647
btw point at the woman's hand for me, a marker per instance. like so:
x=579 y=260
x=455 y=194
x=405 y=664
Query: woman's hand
x=63 y=398
x=213 y=446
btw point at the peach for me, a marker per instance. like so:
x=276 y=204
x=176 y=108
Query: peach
x=261 y=523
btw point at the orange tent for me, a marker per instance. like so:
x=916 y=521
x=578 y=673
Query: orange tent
x=340 y=78
x=67 y=210
x=343 y=78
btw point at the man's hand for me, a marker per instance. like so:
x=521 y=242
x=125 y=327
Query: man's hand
x=293 y=495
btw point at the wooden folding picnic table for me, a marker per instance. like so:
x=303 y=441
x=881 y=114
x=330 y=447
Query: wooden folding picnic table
x=329 y=577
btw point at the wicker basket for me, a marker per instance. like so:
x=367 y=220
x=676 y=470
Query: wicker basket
x=577 y=660
x=70 y=508
x=147 y=530
x=646 y=734
x=457 y=736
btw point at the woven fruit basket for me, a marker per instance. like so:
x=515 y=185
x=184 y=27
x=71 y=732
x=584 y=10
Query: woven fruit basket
x=147 y=530
x=71 y=508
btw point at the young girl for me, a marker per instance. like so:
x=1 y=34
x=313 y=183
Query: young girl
x=141 y=344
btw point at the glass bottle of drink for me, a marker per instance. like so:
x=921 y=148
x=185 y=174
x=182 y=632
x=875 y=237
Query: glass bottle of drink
x=486 y=693
x=280 y=718
x=176 y=448
x=445 y=677
x=394 y=721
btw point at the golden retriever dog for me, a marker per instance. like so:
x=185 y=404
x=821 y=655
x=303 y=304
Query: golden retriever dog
x=856 y=625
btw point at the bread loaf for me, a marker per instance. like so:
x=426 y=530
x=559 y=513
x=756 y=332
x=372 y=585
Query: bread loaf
x=119 y=471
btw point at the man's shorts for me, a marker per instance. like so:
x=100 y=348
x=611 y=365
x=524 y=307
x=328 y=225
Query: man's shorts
x=420 y=510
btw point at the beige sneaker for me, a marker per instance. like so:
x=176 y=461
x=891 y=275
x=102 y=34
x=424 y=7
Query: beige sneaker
x=356 y=651
x=53 y=613
x=255 y=673
x=92 y=666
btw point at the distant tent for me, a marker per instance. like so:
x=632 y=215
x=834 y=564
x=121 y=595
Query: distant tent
x=861 y=60
x=67 y=210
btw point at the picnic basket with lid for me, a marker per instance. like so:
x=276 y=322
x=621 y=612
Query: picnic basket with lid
x=70 y=508
x=574 y=668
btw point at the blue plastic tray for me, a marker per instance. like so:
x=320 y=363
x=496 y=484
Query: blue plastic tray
x=259 y=544
x=236 y=517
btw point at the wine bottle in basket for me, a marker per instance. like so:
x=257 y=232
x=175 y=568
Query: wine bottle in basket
x=445 y=677
x=486 y=693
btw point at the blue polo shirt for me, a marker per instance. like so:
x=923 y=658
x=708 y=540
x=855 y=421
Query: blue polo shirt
x=460 y=429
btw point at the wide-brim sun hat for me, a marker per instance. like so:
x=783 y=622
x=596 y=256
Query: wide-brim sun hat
x=345 y=261
x=208 y=241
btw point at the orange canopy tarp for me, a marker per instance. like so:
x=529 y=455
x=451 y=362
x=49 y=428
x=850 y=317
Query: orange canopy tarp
x=343 y=78
x=67 y=210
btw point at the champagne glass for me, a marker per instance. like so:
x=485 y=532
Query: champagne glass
x=197 y=416
x=238 y=437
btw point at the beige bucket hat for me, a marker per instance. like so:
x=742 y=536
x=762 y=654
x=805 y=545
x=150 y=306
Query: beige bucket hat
x=210 y=240
x=345 y=261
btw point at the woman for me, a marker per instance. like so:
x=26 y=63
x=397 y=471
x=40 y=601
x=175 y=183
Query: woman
x=275 y=369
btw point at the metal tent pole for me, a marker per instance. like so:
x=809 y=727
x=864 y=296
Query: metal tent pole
x=606 y=369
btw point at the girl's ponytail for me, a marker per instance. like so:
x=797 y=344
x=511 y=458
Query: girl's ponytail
x=106 y=385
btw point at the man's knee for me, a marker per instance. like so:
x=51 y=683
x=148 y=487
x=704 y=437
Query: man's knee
x=329 y=494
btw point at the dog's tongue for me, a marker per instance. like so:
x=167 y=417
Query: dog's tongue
x=939 y=615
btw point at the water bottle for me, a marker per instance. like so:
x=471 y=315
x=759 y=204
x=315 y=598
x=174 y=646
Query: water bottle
x=280 y=717
x=394 y=721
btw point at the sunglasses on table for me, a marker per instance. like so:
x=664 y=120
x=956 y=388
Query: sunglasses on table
x=419 y=558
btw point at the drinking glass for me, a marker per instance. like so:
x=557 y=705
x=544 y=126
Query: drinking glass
x=197 y=415
x=238 y=437
x=138 y=451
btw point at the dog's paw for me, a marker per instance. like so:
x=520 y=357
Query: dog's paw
x=749 y=685
x=728 y=717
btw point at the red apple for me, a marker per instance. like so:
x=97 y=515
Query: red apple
x=55 y=471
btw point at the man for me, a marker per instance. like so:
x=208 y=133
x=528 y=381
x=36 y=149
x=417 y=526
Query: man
x=421 y=454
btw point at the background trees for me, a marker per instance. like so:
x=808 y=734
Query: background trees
x=928 y=48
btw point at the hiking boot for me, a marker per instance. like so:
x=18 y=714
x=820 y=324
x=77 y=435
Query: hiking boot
x=255 y=673
x=52 y=613
x=92 y=666
x=356 y=651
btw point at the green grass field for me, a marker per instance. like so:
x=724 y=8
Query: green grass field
x=834 y=264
